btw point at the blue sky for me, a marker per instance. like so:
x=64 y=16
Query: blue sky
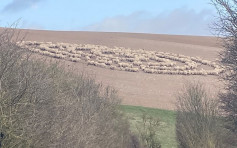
x=185 y=17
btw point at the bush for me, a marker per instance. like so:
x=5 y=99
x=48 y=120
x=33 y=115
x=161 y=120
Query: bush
x=197 y=120
x=148 y=133
x=42 y=105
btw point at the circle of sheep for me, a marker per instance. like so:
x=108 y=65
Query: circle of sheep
x=119 y=58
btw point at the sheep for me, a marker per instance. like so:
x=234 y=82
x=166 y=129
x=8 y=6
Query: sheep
x=108 y=63
x=74 y=59
x=53 y=46
x=159 y=72
x=91 y=63
x=112 y=67
x=204 y=73
x=130 y=59
x=137 y=63
x=64 y=52
x=128 y=55
x=102 y=61
x=132 y=69
x=59 y=56
x=147 y=70
x=174 y=72
x=105 y=57
x=143 y=59
x=29 y=43
x=212 y=72
x=153 y=64
x=124 y=65
x=184 y=72
x=82 y=49
x=156 y=59
x=43 y=48
x=44 y=52
x=36 y=50
x=87 y=58
x=37 y=43
x=142 y=67
x=108 y=52
x=64 y=46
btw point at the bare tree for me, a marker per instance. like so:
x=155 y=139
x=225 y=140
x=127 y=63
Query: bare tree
x=226 y=25
x=197 y=121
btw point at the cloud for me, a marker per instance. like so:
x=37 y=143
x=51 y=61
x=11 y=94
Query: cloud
x=180 y=21
x=19 y=5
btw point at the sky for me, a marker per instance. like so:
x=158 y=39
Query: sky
x=182 y=17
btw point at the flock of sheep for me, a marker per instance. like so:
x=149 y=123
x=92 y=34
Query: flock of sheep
x=119 y=58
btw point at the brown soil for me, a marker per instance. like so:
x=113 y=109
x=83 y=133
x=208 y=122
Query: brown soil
x=141 y=89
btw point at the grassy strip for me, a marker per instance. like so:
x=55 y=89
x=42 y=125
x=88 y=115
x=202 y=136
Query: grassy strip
x=166 y=130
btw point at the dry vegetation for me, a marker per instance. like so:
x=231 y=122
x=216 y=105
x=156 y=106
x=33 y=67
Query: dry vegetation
x=198 y=123
x=119 y=58
x=42 y=105
x=226 y=26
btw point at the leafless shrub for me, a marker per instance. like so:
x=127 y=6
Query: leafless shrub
x=42 y=105
x=197 y=120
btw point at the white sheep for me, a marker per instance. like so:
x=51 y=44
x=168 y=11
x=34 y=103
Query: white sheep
x=132 y=69
x=124 y=65
x=105 y=56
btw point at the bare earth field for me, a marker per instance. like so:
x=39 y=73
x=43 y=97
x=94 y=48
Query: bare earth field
x=139 y=88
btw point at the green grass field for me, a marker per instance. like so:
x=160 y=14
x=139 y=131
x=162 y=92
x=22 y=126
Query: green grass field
x=166 y=130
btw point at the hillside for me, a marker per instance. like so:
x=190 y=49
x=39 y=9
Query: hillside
x=140 y=89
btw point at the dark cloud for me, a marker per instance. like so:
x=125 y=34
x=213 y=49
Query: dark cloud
x=19 y=5
x=180 y=21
